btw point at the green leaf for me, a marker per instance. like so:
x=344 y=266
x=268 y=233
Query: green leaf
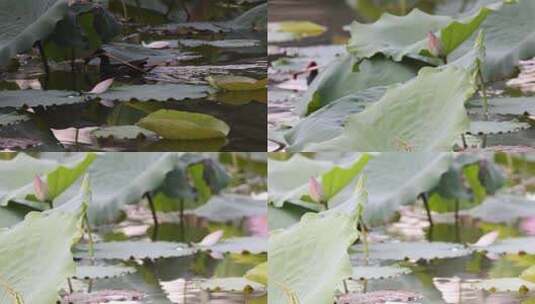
x=508 y=39
x=340 y=79
x=240 y=245
x=87 y=272
x=378 y=272
x=17 y=175
x=397 y=37
x=522 y=245
x=236 y=83
x=258 y=274
x=503 y=209
x=528 y=274
x=304 y=279
x=227 y=207
x=118 y=179
x=396 y=122
x=128 y=250
x=63 y=177
x=40 y=244
x=338 y=178
x=505 y=285
x=180 y=125
x=414 y=251
x=395 y=179
x=26 y=22
x=123 y=132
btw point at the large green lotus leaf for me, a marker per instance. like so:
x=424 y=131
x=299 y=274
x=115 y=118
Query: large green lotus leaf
x=288 y=179
x=101 y=271
x=129 y=250
x=340 y=79
x=522 y=245
x=331 y=118
x=378 y=272
x=413 y=251
x=16 y=181
x=41 y=244
x=228 y=207
x=394 y=36
x=395 y=179
x=285 y=216
x=397 y=37
x=25 y=22
x=417 y=116
x=508 y=39
x=300 y=255
x=180 y=125
x=503 y=209
x=118 y=179
x=505 y=285
x=13 y=214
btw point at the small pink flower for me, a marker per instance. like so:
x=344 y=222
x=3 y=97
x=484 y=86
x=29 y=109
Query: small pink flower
x=528 y=225
x=434 y=45
x=257 y=225
x=314 y=190
x=41 y=189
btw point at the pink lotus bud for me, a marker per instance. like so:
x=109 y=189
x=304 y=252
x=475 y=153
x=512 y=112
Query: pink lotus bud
x=314 y=189
x=434 y=45
x=41 y=189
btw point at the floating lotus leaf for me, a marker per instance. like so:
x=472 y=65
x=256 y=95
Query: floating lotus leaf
x=496 y=127
x=180 y=125
x=156 y=92
x=413 y=251
x=130 y=250
x=522 y=245
x=102 y=296
x=506 y=105
x=228 y=207
x=380 y=297
x=34 y=98
x=227 y=43
x=378 y=272
x=503 y=208
x=237 y=284
x=249 y=244
x=505 y=285
x=12 y=118
x=41 y=244
x=123 y=132
x=340 y=79
x=293 y=30
x=101 y=272
x=397 y=122
x=237 y=83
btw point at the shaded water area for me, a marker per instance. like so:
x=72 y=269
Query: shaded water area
x=189 y=60
x=288 y=80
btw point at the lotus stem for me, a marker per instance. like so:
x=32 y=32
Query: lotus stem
x=346 y=290
x=43 y=56
x=484 y=93
x=91 y=249
x=365 y=243
x=463 y=138
x=456 y=211
x=424 y=198
x=153 y=212
x=70 y=285
x=125 y=11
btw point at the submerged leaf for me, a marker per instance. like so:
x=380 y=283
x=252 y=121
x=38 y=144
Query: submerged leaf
x=237 y=83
